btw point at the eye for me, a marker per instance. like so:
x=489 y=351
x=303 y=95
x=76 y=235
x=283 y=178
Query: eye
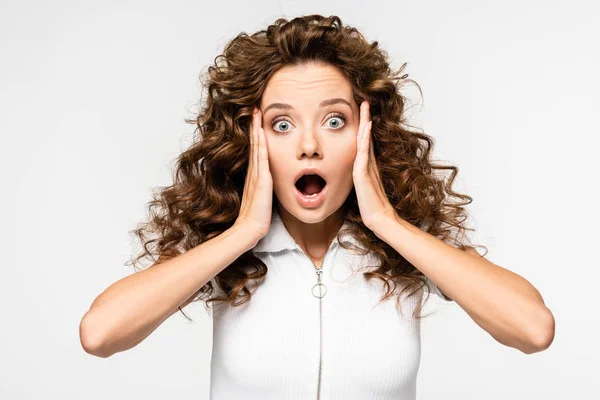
x=338 y=116
x=286 y=124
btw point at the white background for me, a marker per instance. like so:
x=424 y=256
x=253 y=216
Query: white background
x=92 y=105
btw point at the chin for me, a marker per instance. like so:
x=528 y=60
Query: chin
x=310 y=216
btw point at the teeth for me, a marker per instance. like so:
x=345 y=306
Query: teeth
x=310 y=195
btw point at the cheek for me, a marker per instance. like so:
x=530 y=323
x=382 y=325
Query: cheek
x=344 y=163
x=349 y=154
x=278 y=167
x=273 y=162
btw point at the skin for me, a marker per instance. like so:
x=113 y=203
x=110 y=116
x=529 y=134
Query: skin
x=501 y=302
x=309 y=135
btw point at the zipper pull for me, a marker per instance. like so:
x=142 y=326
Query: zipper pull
x=319 y=273
x=319 y=289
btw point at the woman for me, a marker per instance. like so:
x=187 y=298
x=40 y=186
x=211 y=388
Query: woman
x=304 y=167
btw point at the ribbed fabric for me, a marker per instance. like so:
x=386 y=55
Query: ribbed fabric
x=269 y=348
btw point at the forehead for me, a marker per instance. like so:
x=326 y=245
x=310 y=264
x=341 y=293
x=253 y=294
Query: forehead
x=307 y=83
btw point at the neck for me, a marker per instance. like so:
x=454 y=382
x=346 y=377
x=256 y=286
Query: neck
x=314 y=238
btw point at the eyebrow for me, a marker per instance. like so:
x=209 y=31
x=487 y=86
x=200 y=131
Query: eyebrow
x=324 y=103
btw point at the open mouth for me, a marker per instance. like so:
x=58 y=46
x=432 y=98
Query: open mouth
x=310 y=185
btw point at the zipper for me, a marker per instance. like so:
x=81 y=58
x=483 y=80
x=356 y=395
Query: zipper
x=320 y=293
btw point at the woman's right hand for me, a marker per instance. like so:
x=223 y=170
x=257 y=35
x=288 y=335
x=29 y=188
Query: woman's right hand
x=256 y=208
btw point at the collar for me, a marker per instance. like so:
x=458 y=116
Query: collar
x=278 y=238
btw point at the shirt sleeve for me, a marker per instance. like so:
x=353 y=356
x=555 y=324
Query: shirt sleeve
x=434 y=289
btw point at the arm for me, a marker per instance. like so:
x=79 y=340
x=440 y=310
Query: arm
x=132 y=308
x=501 y=302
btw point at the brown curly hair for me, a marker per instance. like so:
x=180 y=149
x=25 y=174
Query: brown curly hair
x=205 y=197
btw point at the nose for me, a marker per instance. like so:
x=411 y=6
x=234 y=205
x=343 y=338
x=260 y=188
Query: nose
x=309 y=145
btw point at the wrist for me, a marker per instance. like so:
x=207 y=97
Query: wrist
x=246 y=234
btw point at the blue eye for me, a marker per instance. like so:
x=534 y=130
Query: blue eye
x=339 y=116
x=279 y=120
x=332 y=116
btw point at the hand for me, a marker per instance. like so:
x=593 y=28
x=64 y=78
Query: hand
x=256 y=207
x=372 y=201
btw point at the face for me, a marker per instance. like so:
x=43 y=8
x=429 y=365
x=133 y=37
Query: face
x=306 y=133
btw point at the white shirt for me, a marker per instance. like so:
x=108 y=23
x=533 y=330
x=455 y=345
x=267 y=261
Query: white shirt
x=270 y=347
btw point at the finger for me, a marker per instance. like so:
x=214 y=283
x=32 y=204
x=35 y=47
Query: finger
x=250 y=158
x=365 y=139
x=365 y=115
x=261 y=138
x=261 y=141
x=251 y=137
x=255 y=124
x=370 y=141
x=373 y=163
x=369 y=155
x=372 y=151
x=361 y=162
x=362 y=121
x=263 y=150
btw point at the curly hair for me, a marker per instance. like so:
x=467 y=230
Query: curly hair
x=205 y=197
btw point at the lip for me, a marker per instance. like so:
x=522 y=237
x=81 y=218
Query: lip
x=309 y=170
x=311 y=202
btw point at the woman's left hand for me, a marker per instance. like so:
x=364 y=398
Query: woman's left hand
x=372 y=201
